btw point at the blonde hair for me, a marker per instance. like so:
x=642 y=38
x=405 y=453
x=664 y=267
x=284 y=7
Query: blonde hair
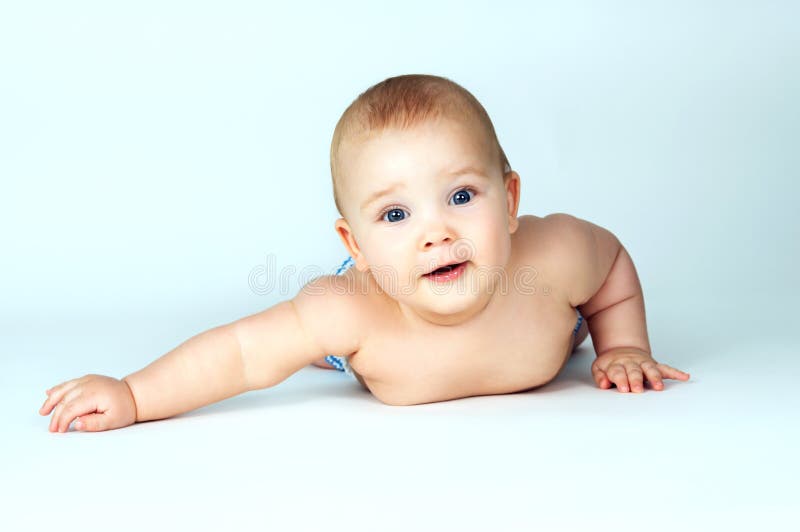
x=403 y=102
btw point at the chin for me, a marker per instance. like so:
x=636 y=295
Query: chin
x=453 y=301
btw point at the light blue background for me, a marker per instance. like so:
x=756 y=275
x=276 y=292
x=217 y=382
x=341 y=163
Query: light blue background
x=152 y=154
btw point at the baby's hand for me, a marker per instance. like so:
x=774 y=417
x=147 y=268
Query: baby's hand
x=627 y=367
x=98 y=403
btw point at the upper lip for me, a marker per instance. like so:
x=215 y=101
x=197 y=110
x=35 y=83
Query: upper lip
x=443 y=265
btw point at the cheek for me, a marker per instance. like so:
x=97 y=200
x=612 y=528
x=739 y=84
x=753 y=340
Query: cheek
x=386 y=256
x=385 y=248
x=493 y=241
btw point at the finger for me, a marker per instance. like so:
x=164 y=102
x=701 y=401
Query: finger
x=618 y=376
x=635 y=377
x=56 y=395
x=653 y=375
x=54 y=418
x=672 y=373
x=58 y=415
x=601 y=378
x=50 y=402
x=59 y=411
x=81 y=406
x=92 y=423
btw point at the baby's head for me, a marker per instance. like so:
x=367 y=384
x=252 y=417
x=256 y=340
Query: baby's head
x=403 y=102
x=421 y=180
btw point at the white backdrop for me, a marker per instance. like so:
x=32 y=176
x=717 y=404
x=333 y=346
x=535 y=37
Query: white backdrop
x=152 y=155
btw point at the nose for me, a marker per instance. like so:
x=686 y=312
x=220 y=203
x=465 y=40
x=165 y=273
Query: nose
x=436 y=233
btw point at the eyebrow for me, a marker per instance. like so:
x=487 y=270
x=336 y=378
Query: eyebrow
x=394 y=186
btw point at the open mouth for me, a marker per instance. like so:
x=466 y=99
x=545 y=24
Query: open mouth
x=447 y=273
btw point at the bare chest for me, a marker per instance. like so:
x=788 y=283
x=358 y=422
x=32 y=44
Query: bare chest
x=521 y=344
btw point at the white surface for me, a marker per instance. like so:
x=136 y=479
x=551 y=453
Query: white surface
x=154 y=155
x=316 y=452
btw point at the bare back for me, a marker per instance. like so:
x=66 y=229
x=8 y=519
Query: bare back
x=520 y=340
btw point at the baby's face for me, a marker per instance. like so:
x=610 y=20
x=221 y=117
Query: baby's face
x=426 y=197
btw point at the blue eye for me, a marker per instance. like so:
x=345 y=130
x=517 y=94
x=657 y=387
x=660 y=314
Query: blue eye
x=394 y=215
x=462 y=196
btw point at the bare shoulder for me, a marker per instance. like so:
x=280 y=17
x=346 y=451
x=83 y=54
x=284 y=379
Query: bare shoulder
x=539 y=238
x=336 y=311
x=528 y=226
x=576 y=253
x=328 y=316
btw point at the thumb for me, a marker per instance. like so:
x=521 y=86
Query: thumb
x=92 y=423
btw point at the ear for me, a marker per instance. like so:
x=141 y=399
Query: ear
x=349 y=241
x=511 y=182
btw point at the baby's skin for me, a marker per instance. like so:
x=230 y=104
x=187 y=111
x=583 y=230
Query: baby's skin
x=500 y=323
x=519 y=341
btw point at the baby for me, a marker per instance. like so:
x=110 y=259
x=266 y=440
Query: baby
x=451 y=295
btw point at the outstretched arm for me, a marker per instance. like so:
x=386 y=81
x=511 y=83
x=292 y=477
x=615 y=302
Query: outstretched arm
x=204 y=369
x=252 y=353
x=255 y=352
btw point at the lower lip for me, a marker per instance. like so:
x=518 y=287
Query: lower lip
x=446 y=277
